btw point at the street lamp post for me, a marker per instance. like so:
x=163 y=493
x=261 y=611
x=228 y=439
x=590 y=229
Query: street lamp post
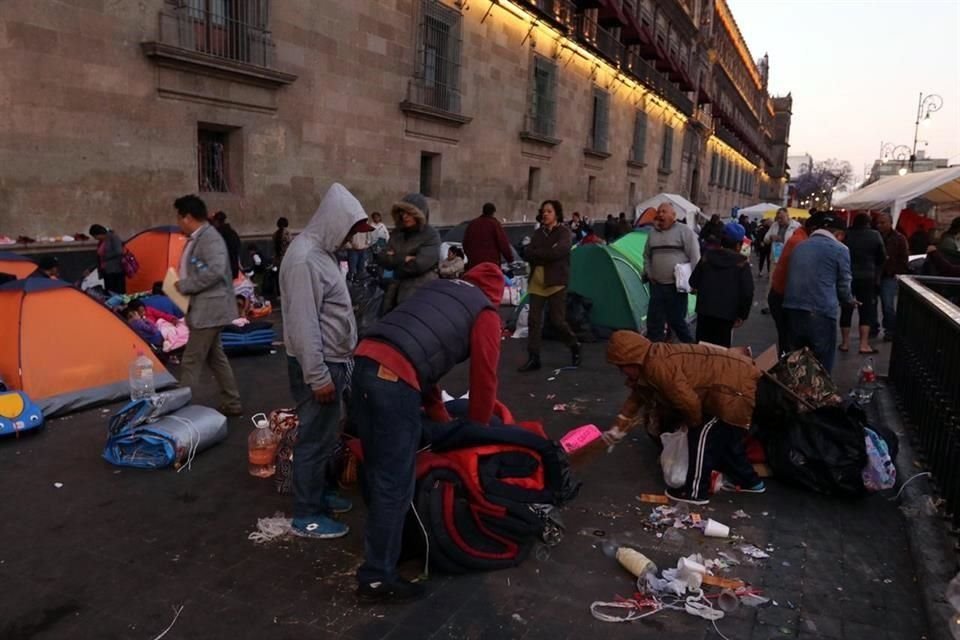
x=925 y=106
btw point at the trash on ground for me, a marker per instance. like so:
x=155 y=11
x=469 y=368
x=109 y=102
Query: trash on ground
x=580 y=437
x=753 y=600
x=740 y=513
x=730 y=560
x=271 y=529
x=560 y=408
x=753 y=552
x=653 y=498
x=518 y=618
x=58 y=485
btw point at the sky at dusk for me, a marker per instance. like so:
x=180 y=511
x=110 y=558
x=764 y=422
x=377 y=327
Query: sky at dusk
x=856 y=69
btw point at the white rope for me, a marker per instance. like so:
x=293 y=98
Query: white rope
x=177 y=612
x=426 y=540
x=269 y=529
x=632 y=614
x=911 y=479
x=192 y=445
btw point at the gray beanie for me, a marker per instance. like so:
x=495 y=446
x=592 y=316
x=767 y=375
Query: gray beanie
x=420 y=202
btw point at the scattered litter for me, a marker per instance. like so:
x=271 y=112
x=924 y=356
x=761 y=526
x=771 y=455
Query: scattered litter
x=550 y=396
x=839 y=588
x=58 y=485
x=723 y=583
x=177 y=611
x=542 y=553
x=785 y=563
x=887 y=581
x=560 y=408
x=551 y=379
x=740 y=513
x=714 y=529
x=270 y=529
x=766 y=513
x=273 y=352
x=677 y=516
x=730 y=560
x=508 y=581
x=753 y=600
x=518 y=618
x=753 y=552
x=654 y=498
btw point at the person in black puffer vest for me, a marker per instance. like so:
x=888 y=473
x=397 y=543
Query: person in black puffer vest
x=398 y=364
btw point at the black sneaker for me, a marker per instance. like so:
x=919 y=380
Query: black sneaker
x=390 y=592
x=682 y=495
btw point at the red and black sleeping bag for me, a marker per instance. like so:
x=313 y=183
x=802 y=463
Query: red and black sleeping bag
x=475 y=486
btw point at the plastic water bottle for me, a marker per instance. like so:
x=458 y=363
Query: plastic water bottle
x=141 y=377
x=262 y=448
x=866 y=383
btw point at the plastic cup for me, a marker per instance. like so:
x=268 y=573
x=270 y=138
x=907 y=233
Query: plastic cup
x=688 y=566
x=716 y=529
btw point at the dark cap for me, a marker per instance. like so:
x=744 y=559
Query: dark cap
x=830 y=220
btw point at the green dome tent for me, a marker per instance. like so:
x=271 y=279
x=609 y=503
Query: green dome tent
x=611 y=277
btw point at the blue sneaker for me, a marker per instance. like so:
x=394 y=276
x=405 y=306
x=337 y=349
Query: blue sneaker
x=760 y=487
x=319 y=527
x=337 y=503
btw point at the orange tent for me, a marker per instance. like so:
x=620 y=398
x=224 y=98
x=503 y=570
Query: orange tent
x=646 y=217
x=64 y=349
x=16 y=265
x=156 y=250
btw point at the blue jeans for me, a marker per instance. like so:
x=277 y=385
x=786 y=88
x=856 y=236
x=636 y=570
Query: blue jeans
x=387 y=416
x=667 y=306
x=356 y=262
x=888 y=302
x=815 y=331
x=316 y=438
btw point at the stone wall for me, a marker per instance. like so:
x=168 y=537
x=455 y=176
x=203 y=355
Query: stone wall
x=92 y=130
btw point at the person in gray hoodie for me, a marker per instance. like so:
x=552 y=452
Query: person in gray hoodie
x=412 y=252
x=320 y=334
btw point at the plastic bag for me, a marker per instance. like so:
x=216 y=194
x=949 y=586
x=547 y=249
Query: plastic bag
x=880 y=472
x=674 y=459
x=681 y=274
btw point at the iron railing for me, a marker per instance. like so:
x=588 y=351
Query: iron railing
x=925 y=372
x=436 y=82
x=240 y=36
x=589 y=32
x=561 y=12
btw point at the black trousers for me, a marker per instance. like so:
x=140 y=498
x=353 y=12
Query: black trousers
x=717 y=446
x=714 y=330
x=775 y=303
x=115 y=282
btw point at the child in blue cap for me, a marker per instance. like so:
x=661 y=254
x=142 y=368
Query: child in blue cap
x=723 y=283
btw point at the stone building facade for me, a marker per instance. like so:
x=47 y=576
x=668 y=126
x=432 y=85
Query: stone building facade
x=109 y=110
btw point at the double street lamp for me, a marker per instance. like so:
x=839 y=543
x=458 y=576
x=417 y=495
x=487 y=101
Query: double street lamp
x=898 y=152
x=925 y=106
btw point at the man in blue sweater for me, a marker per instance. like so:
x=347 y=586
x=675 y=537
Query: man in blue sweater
x=817 y=283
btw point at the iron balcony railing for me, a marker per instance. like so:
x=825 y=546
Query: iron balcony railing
x=562 y=12
x=224 y=36
x=925 y=372
x=647 y=75
x=600 y=39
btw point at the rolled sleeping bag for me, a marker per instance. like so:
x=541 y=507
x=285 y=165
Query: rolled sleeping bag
x=172 y=440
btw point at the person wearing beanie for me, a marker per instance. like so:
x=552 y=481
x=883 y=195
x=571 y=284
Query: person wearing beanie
x=399 y=363
x=413 y=251
x=723 y=282
x=713 y=393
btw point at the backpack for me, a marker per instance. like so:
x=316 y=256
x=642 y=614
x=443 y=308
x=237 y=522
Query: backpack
x=129 y=263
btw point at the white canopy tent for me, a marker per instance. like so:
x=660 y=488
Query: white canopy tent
x=686 y=210
x=941 y=186
x=756 y=211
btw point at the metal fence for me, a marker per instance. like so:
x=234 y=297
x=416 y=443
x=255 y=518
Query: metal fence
x=925 y=371
x=233 y=31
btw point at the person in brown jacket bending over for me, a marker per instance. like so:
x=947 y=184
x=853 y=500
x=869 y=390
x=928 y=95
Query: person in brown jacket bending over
x=713 y=390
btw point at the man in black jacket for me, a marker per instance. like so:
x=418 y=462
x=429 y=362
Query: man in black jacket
x=724 y=285
x=232 y=238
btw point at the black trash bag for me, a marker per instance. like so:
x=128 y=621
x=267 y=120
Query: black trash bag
x=821 y=450
x=367 y=298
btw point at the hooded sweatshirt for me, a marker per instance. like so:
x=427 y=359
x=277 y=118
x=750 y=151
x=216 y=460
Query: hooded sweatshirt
x=724 y=285
x=318 y=322
x=694 y=379
x=484 y=354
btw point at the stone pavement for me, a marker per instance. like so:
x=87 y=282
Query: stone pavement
x=113 y=552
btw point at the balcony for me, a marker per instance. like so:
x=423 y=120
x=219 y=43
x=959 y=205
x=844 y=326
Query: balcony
x=560 y=12
x=644 y=72
x=217 y=44
x=601 y=40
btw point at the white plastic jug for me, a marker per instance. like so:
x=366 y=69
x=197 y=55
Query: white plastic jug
x=141 y=377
